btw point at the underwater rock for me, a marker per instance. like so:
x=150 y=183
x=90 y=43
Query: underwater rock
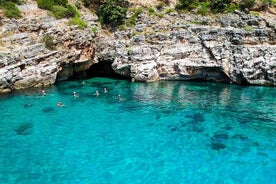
x=173 y=129
x=182 y=123
x=196 y=117
x=217 y=146
x=244 y=119
x=240 y=136
x=227 y=127
x=158 y=116
x=24 y=129
x=219 y=137
x=197 y=129
x=48 y=110
x=27 y=105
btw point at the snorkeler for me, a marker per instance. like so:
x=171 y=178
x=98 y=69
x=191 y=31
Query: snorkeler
x=120 y=97
x=43 y=92
x=60 y=104
x=75 y=94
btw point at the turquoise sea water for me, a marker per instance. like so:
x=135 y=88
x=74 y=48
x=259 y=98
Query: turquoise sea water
x=164 y=132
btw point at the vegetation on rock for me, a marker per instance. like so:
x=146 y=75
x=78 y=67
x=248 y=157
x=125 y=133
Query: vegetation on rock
x=81 y=24
x=110 y=12
x=218 y=6
x=59 y=8
x=10 y=9
x=49 y=42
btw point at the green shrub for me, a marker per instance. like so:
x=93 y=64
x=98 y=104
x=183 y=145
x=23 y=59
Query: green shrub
x=61 y=2
x=59 y=8
x=248 y=29
x=10 y=10
x=45 y=4
x=151 y=10
x=269 y=2
x=92 y=3
x=257 y=14
x=49 y=42
x=95 y=30
x=59 y=11
x=131 y=21
x=170 y=10
x=187 y=4
x=78 y=22
x=232 y=7
x=219 y=5
x=247 y=4
x=203 y=9
x=113 y=12
x=160 y=6
x=72 y=11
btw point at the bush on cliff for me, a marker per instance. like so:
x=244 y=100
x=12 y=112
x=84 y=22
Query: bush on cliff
x=65 y=12
x=48 y=4
x=58 y=8
x=10 y=9
x=187 y=4
x=81 y=24
x=219 y=6
x=49 y=42
x=113 y=12
x=247 y=4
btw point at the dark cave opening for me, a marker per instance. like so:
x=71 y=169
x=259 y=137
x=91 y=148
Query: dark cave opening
x=101 y=69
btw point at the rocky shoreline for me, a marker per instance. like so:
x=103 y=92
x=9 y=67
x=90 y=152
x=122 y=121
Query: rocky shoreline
x=235 y=48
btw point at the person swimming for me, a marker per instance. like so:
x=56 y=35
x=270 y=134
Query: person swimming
x=75 y=94
x=97 y=93
x=60 y=104
x=120 y=98
x=105 y=90
x=43 y=92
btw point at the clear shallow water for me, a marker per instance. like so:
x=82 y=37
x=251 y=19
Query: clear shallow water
x=165 y=132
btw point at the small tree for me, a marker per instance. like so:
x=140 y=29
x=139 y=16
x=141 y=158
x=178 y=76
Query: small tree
x=113 y=12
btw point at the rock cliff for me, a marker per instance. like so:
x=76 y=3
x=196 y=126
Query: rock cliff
x=38 y=50
x=238 y=48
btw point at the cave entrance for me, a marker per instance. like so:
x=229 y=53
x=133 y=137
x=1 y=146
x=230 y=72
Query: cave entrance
x=101 y=69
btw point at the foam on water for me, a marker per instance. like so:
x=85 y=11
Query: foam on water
x=164 y=132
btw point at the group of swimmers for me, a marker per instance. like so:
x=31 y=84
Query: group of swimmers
x=60 y=104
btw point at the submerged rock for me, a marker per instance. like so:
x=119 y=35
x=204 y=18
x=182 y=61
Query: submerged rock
x=48 y=110
x=240 y=136
x=220 y=137
x=195 y=118
x=24 y=129
x=218 y=146
x=27 y=105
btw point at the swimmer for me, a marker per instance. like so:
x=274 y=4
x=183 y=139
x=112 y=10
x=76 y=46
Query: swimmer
x=82 y=82
x=75 y=94
x=59 y=104
x=105 y=90
x=120 y=98
x=43 y=92
x=97 y=93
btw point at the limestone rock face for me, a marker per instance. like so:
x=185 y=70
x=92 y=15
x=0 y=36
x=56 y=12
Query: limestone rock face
x=237 y=48
x=27 y=61
x=39 y=50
